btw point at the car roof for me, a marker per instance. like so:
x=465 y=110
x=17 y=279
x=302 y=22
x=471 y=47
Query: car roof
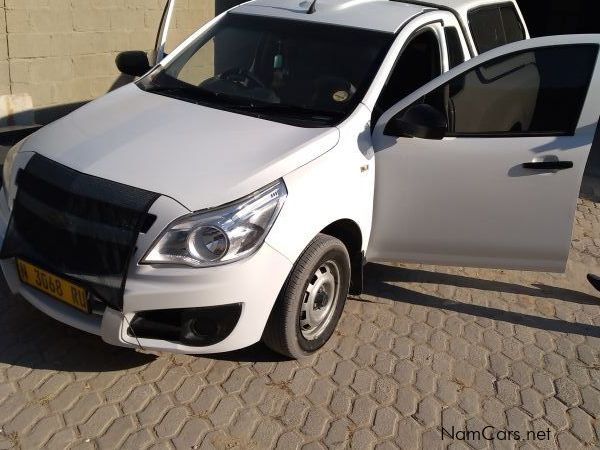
x=381 y=15
x=458 y=6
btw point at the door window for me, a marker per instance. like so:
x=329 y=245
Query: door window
x=418 y=64
x=493 y=26
x=524 y=93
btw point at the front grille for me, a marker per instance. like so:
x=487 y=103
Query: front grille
x=78 y=226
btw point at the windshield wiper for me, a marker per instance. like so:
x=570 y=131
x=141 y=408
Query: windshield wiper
x=252 y=106
x=295 y=110
x=196 y=93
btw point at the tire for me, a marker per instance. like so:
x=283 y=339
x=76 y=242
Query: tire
x=312 y=299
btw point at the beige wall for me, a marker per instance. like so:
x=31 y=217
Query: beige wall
x=62 y=51
x=4 y=80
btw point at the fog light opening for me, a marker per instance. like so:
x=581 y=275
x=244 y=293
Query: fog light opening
x=196 y=327
x=204 y=328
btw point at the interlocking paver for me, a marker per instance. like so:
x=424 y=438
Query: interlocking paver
x=532 y=402
x=428 y=412
x=567 y=391
x=567 y=440
x=61 y=439
x=191 y=434
x=172 y=422
x=274 y=400
x=385 y=390
x=385 y=422
x=364 y=381
x=341 y=402
x=542 y=382
x=99 y=421
x=578 y=373
x=290 y=440
x=556 y=413
x=317 y=420
x=408 y=434
x=337 y=435
x=439 y=341
x=41 y=432
x=581 y=426
x=404 y=347
x=138 y=399
x=493 y=412
x=591 y=401
x=499 y=365
x=587 y=355
x=155 y=410
x=521 y=373
x=225 y=411
x=406 y=401
x=322 y=391
x=87 y=404
x=363 y=411
x=484 y=383
x=190 y=388
x=508 y=392
x=267 y=433
x=533 y=356
x=404 y=373
x=363 y=438
x=469 y=400
x=514 y=350
x=117 y=432
x=518 y=420
x=344 y=373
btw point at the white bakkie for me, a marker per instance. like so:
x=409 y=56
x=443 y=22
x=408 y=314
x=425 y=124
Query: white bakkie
x=234 y=192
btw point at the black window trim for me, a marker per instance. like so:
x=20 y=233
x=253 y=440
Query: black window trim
x=466 y=33
x=464 y=56
x=509 y=134
x=407 y=41
x=497 y=6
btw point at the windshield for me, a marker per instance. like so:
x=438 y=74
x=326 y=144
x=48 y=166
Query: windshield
x=289 y=71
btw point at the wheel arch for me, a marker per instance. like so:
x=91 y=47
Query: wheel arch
x=349 y=232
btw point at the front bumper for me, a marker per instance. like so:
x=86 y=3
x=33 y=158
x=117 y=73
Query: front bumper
x=254 y=283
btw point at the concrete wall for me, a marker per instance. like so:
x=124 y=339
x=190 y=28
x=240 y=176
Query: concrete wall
x=4 y=79
x=60 y=53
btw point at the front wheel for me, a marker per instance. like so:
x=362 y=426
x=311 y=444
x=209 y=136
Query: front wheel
x=311 y=302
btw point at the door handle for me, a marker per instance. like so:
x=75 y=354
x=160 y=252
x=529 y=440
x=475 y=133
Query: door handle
x=548 y=165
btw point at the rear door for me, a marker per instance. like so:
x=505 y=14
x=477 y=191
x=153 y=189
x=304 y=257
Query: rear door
x=501 y=188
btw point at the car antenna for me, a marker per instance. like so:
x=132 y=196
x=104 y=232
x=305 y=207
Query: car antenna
x=312 y=8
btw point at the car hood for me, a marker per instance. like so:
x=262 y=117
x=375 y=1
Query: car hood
x=199 y=156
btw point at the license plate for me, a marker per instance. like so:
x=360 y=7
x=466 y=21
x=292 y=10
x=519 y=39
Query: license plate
x=56 y=287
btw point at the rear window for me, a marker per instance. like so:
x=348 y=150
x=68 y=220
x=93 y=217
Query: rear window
x=493 y=26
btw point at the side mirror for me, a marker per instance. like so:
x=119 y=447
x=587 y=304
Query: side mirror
x=420 y=121
x=134 y=63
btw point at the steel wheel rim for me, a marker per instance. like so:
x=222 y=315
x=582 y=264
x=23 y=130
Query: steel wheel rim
x=320 y=300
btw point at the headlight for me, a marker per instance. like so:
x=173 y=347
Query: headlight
x=7 y=169
x=220 y=235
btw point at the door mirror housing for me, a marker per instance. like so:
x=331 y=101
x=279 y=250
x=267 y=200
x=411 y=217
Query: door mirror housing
x=134 y=63
x=421 y=121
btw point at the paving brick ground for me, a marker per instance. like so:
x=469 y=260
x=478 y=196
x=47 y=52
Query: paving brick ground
x=475 y=348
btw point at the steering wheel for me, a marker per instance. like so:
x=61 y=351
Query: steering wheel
x=241 y=77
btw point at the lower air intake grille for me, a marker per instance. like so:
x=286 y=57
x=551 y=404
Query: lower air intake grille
x=77 y=226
